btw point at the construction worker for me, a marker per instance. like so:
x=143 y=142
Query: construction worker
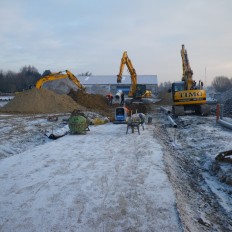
x=110 y=98
x=122 y=99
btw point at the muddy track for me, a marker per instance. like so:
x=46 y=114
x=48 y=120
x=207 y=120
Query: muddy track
x=198 y=206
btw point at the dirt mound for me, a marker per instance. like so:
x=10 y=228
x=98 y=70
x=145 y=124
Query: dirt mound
x=226 y=100
x=90 y=101
x=41 y=101
x=94 y=102
x=137 y=108
x=228 y=108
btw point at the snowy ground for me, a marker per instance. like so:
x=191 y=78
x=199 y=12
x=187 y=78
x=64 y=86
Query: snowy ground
x=165 y=179
x=6 y=98
x=2 y=103
x=203 y=195
x=19 y=133
x=106 y=180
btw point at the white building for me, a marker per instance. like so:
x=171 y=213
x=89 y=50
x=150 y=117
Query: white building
x=108 y=83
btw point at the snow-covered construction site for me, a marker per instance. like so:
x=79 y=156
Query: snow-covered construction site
x=160 y=174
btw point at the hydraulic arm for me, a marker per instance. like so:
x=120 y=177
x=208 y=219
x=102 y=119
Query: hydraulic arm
x=126 y=61
x=59 y=75
x=137 y=90
x=187 y=76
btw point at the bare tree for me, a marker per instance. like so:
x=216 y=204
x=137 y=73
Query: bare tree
x=221 y=83
x=163 y=87
x=86 y=74
x=12 y=82
x=46 y=73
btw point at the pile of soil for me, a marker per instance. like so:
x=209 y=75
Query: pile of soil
x=93 y=102
x=226 y=100
x=137 y=108
x=41 y=101
x=90 y=101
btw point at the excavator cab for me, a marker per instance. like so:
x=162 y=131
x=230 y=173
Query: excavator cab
x=140 y=91
x=178 y=86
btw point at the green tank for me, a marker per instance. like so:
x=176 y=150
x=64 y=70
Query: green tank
x=78 y=124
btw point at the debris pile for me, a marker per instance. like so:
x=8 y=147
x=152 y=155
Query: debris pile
x=226 y=100
x=41 y=101
x=93 y=102
x=90 y=101
x=137 y=108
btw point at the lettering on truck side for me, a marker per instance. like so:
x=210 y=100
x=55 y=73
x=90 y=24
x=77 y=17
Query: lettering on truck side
x=191 y=94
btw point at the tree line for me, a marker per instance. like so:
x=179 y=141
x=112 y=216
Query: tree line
x=11 y=82
x=26 y=78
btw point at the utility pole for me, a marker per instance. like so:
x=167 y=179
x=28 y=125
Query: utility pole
x=205 y=78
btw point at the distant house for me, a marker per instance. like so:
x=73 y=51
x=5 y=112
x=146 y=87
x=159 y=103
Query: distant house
x=108 y=83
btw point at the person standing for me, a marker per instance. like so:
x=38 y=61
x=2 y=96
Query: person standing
x=110 y=98
x=122 y=99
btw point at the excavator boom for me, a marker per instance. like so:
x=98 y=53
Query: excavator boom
x=50 y=77
x=187 y=71
x=75 y=80
x=137 y=91
x=57 y=76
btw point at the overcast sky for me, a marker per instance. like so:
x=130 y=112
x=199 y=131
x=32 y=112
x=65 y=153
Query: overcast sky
x=91 y=35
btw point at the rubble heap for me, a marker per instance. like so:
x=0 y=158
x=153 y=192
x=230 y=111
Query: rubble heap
x=90 y=101
x=226 y=100
x=41 y=101
x=228 y=107
x=93 y=102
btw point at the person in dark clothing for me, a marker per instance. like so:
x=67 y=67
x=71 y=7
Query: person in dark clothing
x=110 y=98
x=122 y=99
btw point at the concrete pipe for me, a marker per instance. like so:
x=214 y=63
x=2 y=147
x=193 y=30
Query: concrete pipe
x=172 y=121
x=224 y=123
x=118 y=95
x=166 y=111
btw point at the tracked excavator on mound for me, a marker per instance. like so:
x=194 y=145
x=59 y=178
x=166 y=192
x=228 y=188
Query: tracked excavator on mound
x=60 y=75
x=137 y=91
x=187 y=95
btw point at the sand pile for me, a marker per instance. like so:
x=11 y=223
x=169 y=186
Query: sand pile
x=90 y=101
x=41 y=101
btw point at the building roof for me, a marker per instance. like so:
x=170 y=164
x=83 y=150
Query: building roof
x=112 y=79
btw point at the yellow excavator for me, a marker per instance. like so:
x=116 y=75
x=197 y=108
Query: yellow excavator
x=59 y=75
x=188 y=96
x=137 y=91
